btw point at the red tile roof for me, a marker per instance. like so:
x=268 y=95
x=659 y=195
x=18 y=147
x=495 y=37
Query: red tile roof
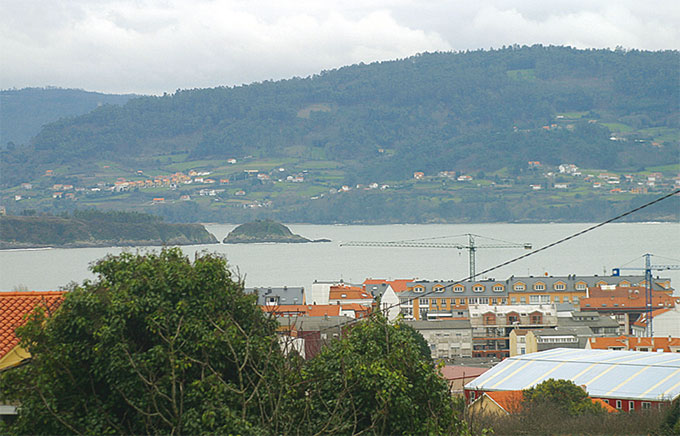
x=398 y=285
x=632 y=343
x=642 y=321
x=14 y=306
x=510 y=401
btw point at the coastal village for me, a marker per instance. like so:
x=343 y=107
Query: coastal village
x=241 y=187
x=492 y=337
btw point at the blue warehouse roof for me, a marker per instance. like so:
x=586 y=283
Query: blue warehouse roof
x=634 y=375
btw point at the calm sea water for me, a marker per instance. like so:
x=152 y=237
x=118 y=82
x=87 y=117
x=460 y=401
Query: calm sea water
x=300 y=264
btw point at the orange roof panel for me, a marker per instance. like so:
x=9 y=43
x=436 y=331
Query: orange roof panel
x=15 y=306
x=348 y=293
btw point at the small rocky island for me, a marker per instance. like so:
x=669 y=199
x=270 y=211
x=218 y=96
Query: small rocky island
x=265 y=231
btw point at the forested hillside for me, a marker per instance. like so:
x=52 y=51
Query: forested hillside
x=482 y=113
x=23 y=112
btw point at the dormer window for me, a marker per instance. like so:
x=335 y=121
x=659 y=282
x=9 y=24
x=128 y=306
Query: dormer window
x=581 y=286
x=519 y=287
x=498 y=288
x=478 y=288
x=418 y=289
x=439 y=289
x=539 y=286
x=560 y=286
x=458 y=288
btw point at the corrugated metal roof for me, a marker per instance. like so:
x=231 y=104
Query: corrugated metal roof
x=636 y=375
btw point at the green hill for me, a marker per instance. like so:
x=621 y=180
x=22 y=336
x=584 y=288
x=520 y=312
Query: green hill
x=485 y=114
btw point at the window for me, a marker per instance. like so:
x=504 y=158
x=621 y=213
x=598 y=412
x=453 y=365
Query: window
x=631 y=405
x=418 y=289
x=539 y=299
x=522 y=300
x=536 y=318
x=559 y=286
x=484 y=300
x=458 y=288
x=646 y=405
x=424 y=301
x=580 y=286
x=539 y=286
x=513 y=300
x=472 y=395
x=473 y=300
x=439 y=289
x=556 y=299
x=619 y=404
x=606 y=401
x=478 y=288
x=519 y=286
x=498 y=288
x=565 y=299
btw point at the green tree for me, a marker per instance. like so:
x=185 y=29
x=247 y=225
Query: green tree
x=156 y=344
x=562 y=394
x=374 y=380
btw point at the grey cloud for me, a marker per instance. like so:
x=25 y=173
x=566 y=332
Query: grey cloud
x=152 y=46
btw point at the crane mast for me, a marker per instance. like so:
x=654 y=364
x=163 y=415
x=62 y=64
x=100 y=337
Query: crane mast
x=648 y=286
x=471 y=247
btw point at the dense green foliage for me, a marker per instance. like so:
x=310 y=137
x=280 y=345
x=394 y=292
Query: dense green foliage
x=97 y=228
x=157 y=344
x=262 y=231
x=480 y=110
x=671 y=422
x=375 y=379
x=563 y=395
x=25 y=111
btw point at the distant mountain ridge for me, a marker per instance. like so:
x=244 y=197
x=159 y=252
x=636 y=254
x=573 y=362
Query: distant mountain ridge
x=24 y=111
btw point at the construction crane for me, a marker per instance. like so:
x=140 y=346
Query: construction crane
x=471 y=246
x=648 y=268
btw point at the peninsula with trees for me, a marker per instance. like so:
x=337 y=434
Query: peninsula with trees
x=97 y=229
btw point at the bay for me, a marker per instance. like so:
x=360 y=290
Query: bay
x=596 y=252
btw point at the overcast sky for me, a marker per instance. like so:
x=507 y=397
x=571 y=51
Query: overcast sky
x=156 y=46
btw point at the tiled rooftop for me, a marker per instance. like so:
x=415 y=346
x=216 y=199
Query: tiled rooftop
x=14 y=306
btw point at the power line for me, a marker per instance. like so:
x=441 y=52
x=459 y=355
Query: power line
x=517 y=259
